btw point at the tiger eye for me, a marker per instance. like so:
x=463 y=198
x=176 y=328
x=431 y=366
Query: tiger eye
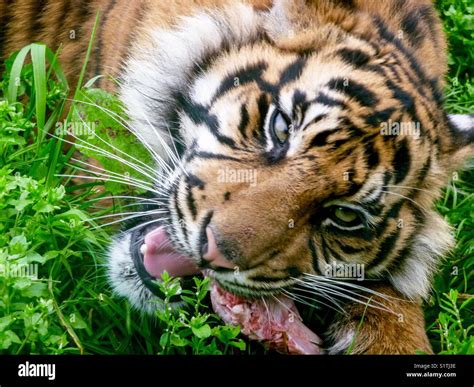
x=345 y=214
x=280 y=128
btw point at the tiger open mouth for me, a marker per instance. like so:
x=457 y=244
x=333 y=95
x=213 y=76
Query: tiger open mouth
x=152 y=254
x=275 y=321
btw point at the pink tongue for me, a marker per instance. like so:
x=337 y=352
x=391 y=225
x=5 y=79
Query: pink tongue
x=160 y=257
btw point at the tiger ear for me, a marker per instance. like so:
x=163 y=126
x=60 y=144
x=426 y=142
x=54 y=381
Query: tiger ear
x=460 y=146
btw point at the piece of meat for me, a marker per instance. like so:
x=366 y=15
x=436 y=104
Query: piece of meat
x=275 y=322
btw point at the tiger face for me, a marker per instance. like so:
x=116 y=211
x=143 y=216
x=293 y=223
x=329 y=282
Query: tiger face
x=295 y=146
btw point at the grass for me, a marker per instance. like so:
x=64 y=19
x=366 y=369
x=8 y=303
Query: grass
x=44 y=221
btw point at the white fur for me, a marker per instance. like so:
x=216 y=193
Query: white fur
x=431 y=243
x=314 y=111
x=266 y=128
x=152 y=78
x=205 y=87
x=463 y=122
x=342 y=343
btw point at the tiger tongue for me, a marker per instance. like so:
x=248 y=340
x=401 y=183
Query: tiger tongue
x=159 y=256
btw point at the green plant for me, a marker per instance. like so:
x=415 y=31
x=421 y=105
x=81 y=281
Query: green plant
x=458 y=18
x=455 y=338
x=192 y=329
x=454 y=281
x=42 y=231
x=455 y=277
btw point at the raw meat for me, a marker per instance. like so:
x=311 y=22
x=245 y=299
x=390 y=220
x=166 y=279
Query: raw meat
x=275 y=322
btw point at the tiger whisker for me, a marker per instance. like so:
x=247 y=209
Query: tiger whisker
x=113 y=115
x=130 y=229
x=162 y=245
x=174 y=159
x=118 y=179
x=310 y=287
x=281 y=303
x=302 y=299
x=158 y=173
x=140 y=213
x=266 y=307
x=352 y=285
x=153 y=221
x=367 y=302
x=115 y=175
x=104 y=153
x=407 y=187
x=136 y=204
x=335 y=285
x=126 y=197
x=407 y=198
x=112 y=180
x=362 y=296
x=123 y=122
x=323 y=294
x=165 y=146
x=116 y=149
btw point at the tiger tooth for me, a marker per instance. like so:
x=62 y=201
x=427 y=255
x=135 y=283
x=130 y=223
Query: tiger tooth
x=143 y=249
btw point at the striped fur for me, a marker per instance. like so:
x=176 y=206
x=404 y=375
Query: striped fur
x=214 y=74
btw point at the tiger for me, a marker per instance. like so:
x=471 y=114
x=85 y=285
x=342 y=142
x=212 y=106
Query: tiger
x=292 y=136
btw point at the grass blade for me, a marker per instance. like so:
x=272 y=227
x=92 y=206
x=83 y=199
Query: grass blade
x=38 y=59
x=15 y=74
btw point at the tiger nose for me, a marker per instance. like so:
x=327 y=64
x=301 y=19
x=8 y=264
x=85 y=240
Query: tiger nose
x=211 y=253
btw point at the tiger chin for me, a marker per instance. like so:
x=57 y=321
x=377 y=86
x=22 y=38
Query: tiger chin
x=266 y=120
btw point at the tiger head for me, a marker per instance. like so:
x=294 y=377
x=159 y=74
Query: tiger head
x=289 y=140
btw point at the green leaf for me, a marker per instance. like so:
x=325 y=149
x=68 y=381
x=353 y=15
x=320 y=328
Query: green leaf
x=52 y=59
x=178 y=341
x=164 y=340
x=38 y=59
x=37 y=289
x=8 y=338
x=188 y=300
x=202 y=332
x=18 y=244
x=226 y=333
x=74 y=213
x=15 y=74
x=76 y=321
x=22 y=283
x=240 y=344
x=44 y=207
x=31 y=257
x=5 y=322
